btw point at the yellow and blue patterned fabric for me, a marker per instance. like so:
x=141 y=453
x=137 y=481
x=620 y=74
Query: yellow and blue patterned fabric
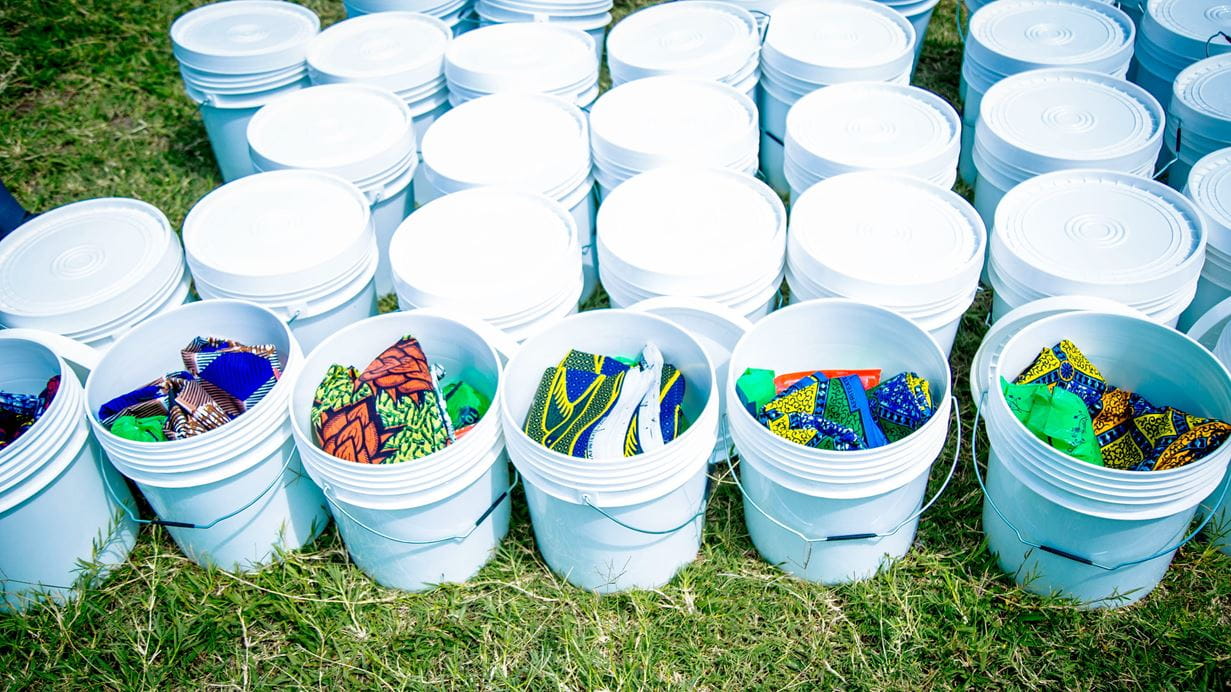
x=575 y=398
x=825 y=414
x=901 y=405
x=1132 y=433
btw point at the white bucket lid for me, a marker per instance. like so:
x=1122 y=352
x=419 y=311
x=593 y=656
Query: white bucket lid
x=395 y=50
x=277 y=233
x=873 y=125
x=831 y=41
x=1095 y=232
x=887 y=238
x=83 y=265
x=649 y=121
x=244 y=36
x=712 y=40
x=356 y=131
x=494 y=251
x=1201 y=98
x=983 y=365
x=1042 y=119
x=689 y=230
x=535 y=142
x=532 y=56
x=1011 y=36
x=1184 y=26
x=1209 y=187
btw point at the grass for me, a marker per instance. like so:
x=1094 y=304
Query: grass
x=92 y=107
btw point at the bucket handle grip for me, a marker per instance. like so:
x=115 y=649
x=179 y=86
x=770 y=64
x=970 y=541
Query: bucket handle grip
x=957 y=453
x=585 y=499
x=333 y=502
x=974 y=460
x=191 y=525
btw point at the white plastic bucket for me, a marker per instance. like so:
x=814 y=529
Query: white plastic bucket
x=522 y=268
x=1211 y=332
x=692 y=231
x=432 y=520
x=236 y=496
x=90 y=270
x=456 y=14
x=359 y=132
x=60 y=529
x=829 y=516
x=1199 y=117
x=891 y=240
x=1101 y=536
x=1174 y=34
x=1209 y=188
x=235 y=57
x=299 y=242
x=871 y=126
x=615 y=524
x=525 y=57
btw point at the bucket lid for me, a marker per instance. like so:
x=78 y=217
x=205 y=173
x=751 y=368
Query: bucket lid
x=1043 y=119
x=277 y=233
x=531 y=56
x=493 y=250
x=1209 y=187
x=867 y=125
x=713 y=40
x=82 y=265
x=244 y=36
x=1011 y=36
x=1184 y=26
x=887 y=238
x=395 y=50
x=690 y=230
x=536 y=142
x=831 y=41
x=658 y=119
x=1095 y=232
x=356 y=131
x=983 y=366
x=1201 y=98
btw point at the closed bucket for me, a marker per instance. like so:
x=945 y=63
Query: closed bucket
x=1174 y=34
x=234 y=497
x=619 y=523
x=455 y=14
x=891 y=240
x=235 y=57
x=435 y=519
x=90 y=270
x=1209 y=188
x=299 y=242
x=1199 y=117
x=836 y=516
x=1101 y=536
x=592 y=18
x=523 y=57
x=60 y=529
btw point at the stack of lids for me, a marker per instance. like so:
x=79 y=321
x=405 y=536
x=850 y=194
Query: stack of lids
x=523 y=57
x=1097 y=233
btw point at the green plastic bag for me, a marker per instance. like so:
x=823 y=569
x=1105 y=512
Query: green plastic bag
x=1055 y=416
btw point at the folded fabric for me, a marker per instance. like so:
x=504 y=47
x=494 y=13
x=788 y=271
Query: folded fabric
x=1131 y=432
x=901 y=405
x=222 y=379
x=840 y=401
x=390 y=413
x=1055 y=416
x=19 y=412
x=593 y=406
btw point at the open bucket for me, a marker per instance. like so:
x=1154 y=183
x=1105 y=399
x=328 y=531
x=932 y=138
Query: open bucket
x=1098 y=535
x=235 y=496
x=618 y=523
x=431 y=520
x=836 y=516
x=60 y=529
x=1211 y=332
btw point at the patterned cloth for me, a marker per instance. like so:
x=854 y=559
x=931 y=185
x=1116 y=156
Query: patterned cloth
x=222 y=379
x=1055 y=416
x=901 y=405
x=841 y=403
x=591 y=406
x=19 y=412
x=1131 y=432
x=391 y=412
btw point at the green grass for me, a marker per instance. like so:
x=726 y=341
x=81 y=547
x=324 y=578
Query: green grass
x=90 y=105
